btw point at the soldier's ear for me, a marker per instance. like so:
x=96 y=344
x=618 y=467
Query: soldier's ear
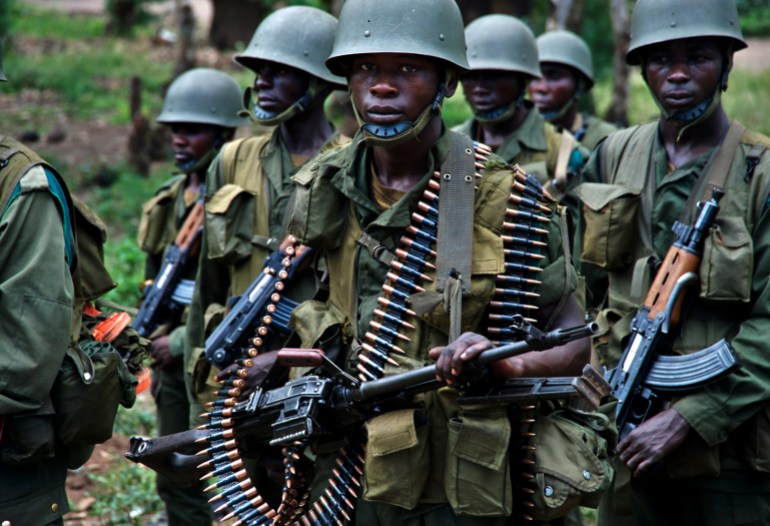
x=450 y=85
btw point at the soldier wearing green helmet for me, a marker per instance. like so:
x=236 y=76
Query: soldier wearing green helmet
x=201 y=109
x=503 y=59
x=567 y=74
x=248 y=186
x=703 y=459
x=362 y=207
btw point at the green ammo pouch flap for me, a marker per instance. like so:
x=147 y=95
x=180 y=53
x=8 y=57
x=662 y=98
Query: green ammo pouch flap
x=609 y=215
x=230 y=224
x=572 y=462
x=91 y=382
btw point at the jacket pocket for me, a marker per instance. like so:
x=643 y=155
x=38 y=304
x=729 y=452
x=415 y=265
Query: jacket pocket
x=28 y=437
x=609 y=214
x=478 y=480
x=728 y=261
x=230 y=224
x=397 y=460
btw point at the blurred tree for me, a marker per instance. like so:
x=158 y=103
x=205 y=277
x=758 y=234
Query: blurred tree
x=618 y=110
x=124 y=15
x=5 y=18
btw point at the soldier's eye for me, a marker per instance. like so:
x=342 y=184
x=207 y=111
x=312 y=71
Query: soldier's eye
x=408 y=68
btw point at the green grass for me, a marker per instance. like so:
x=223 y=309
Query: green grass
x=32 y=21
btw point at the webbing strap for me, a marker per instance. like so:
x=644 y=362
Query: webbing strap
x=456 y=201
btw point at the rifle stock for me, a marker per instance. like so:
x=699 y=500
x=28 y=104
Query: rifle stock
x=644 y=374
x=314 y=406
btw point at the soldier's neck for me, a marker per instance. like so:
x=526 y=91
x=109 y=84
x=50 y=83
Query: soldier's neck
x=494 y=134
x=696 y=140
x=305 y=133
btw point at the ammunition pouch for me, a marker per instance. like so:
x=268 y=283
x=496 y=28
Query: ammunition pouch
x=572 y=459
x=28 y=437
x=477 y=480
x=397 y=458
x=158 y=215
x=728 y=261
x=91 y=382
x=230 y=224
x=609 y=214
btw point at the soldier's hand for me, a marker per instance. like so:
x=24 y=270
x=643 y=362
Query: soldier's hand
x=653 y=441
x=451 y=359
x=254 y=375
x=161 y=355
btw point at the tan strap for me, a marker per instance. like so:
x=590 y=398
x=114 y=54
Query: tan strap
x=558 y=184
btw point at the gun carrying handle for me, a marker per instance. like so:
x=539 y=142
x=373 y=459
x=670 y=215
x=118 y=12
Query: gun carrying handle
x=300 y=357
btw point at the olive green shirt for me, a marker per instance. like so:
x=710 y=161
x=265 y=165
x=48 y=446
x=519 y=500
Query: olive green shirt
x=593 y=130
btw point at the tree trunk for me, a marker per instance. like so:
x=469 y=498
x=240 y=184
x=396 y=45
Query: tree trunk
x=234 y=21
x=472 y=9
x=618 y=110
x=186 y=57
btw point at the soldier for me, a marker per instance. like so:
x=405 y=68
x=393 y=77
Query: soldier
x=369 y=208
x=567 y=74
x=703 y=460
x=503 y=59
x=37 y=259
x=201 y=109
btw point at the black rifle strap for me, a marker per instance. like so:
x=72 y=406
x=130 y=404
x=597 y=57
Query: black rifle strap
x=455 y=218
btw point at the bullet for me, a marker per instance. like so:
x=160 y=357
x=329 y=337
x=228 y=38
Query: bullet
x=392 y=319
x=523 y=214
x=377 y=326
x=511 y=305
x=422 y=234
x=251 y=492
x=534 y=193
x=229 y=479
x=376 y=339
x=385 y=302
x=216 y=422
x=229 y=393
x=417 y=245
x=396 y=293
x=430 y=210
x=529 y=203
x=233 y=382
x=517 y=279
x=515 y=292
x=215 y=449
x=224 y=457
x=231 y=489
x=245 y=362
x=520 y=254
x=217 y=435
x=520 y=267
x=225 y=468
x=379 y=354
x=518 y=227
x=511 y=240
x=411 y=258
x=395 y=278
x=406 y=269
x=222 y=402
x=364 y=371
x=424 y=221
x=240 y=508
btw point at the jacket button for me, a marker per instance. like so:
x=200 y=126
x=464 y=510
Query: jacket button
x=54 y=507
x=6 y=523
x=548 y=491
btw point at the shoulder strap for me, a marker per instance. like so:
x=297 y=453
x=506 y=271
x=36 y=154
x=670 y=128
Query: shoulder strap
x=456 y=201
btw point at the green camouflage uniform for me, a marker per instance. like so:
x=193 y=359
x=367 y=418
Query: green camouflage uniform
x=416 y=483
x=592 y=130
x=162 y=217
x=36 y=308
x=721 y=474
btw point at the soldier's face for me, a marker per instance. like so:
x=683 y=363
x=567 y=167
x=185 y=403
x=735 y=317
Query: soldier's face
x=488 y=90
x=555 y=89
x=279 y=86
x=191 y=141
x=683 y=73
x=388 y=88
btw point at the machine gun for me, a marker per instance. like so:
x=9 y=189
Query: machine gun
x=318 y=406
x=159 y=306
x=644 y=376
x=242 y=321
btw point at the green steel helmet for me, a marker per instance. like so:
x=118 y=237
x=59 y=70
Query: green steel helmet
x=502 y=43
x=655 y=21
x=568 y=49
x=203 y=96
x=431 y=28
x=296 y=36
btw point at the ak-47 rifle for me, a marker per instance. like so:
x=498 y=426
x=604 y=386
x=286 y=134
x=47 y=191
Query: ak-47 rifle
x=316 y=406
x=238 y=329
x=645 y=377
x=159 y=307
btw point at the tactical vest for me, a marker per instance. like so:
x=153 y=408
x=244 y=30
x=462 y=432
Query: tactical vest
x=159 y=223
x=422 y=455
x=623 y=205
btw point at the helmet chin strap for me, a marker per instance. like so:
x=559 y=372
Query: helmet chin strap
x=269 y=118
x=504 y=113
x=194 y=165
x=388 y=135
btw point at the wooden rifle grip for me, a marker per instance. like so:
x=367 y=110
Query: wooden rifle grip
x=676 y=264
